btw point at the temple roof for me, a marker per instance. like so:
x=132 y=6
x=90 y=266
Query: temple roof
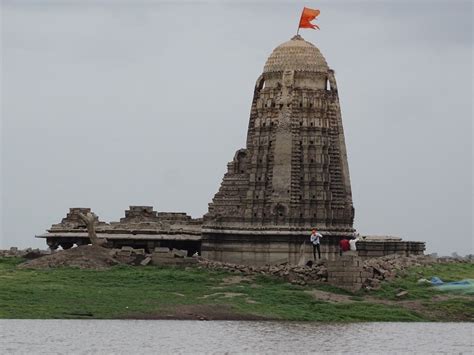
x=296 y=54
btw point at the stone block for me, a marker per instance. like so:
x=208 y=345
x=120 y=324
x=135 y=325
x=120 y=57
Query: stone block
x=336 y=268
x=189 y=261
x=145 y=261
x=179 y=253
x=160 y=259
x=161 y=250
x=127 y=248
x=163 y=255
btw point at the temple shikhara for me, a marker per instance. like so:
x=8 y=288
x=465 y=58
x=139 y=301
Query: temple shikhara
x=292 y=176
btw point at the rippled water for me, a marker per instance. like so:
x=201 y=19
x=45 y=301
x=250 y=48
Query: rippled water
x=217 y=337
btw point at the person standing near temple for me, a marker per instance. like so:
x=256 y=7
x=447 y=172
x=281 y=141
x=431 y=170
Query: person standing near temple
x=316 y=241
x=344 y=246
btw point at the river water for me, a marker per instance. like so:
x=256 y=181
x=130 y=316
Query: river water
x=231 y=337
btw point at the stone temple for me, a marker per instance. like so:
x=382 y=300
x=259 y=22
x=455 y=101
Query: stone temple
x=291 y=177
x=293 y=174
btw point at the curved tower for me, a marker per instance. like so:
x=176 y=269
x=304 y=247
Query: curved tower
x=293 y=174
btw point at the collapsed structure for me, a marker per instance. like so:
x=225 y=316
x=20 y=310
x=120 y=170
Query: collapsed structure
x=142 y=227
x=291 y=177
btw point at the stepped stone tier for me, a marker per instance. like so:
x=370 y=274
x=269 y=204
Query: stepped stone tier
x=293 y=174
x=142 y=227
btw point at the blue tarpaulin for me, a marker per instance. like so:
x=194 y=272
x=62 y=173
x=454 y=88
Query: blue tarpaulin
x=463 y=286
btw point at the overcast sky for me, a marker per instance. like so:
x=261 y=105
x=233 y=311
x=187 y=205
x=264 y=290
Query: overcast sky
x=108 y=104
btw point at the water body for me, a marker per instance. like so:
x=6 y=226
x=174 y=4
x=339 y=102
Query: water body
x=218 y=337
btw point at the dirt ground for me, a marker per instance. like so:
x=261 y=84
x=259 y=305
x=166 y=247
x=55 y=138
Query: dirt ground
x=199 y=312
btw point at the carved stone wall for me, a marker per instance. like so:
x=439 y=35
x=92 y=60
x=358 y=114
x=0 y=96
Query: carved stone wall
x=293 y=173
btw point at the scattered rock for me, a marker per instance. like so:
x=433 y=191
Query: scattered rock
x=27 y=253
x=401 y=294
x=299 y=275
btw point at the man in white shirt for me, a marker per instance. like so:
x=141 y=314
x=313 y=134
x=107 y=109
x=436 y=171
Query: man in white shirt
x=316 y=241
x=353 y=242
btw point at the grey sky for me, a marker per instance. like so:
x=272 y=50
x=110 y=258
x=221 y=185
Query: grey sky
x=109 y=104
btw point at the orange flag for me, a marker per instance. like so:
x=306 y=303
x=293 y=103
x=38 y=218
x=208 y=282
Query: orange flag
x=307 y=16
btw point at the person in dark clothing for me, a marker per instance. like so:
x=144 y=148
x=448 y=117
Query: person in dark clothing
x=316 y=241
x=343 y=246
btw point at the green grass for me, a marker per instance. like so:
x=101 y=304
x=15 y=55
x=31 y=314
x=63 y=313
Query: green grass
x=127 y=291
x=456 y=307
x=409 y=280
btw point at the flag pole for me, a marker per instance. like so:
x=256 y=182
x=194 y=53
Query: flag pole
x=298 y=30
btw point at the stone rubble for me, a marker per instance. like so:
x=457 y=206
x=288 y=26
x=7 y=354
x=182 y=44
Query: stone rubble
x=300 y=275
x=388 y=267
x=370 y=272
x=350 y=272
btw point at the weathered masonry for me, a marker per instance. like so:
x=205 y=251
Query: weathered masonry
x=293 y=174
x=291 y=177
x=142 y=227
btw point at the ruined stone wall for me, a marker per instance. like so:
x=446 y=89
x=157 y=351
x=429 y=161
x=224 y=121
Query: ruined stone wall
x=374 y=249
x=72 y=221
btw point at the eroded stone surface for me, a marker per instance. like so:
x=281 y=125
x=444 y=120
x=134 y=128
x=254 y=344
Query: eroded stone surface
x=293 y=173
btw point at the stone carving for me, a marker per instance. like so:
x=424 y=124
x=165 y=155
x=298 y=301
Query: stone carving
x=285 y=99
x=298 y=55
x=295 y=154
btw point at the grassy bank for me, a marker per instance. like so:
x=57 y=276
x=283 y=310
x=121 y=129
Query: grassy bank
x=159 y=292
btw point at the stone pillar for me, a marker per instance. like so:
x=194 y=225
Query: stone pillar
x=347 y=272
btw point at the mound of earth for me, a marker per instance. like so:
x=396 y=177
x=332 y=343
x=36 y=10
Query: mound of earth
x=83 y=257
